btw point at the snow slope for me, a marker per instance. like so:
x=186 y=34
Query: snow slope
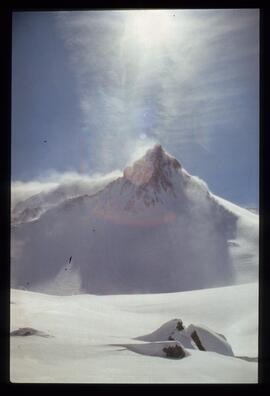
x=83 y=329
x=244 y=249
x=155 y=229
x=27 y=206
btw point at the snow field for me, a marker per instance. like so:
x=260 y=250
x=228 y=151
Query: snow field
x=84 y=327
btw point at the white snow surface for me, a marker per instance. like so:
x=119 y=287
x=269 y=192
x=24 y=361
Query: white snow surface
x=85 y=327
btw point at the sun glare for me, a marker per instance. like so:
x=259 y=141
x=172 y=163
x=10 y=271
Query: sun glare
x=150 y=28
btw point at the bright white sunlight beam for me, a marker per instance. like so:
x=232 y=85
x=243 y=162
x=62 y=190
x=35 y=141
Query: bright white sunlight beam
x=150 y=28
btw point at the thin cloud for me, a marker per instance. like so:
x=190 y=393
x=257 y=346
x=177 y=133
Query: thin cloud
x=197 y=79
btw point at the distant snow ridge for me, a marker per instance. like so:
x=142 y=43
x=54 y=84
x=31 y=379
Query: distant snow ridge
x=155 y=229
x=72 y=186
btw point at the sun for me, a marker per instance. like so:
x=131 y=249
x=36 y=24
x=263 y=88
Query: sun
x=150 y=28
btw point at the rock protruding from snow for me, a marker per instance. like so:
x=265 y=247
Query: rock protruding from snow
x=209 y=340
x=172 y=331
x=167 y=349
x=174 y=351
x=28 y=331
x=191 y=337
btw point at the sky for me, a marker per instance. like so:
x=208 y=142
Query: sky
x=92 y=90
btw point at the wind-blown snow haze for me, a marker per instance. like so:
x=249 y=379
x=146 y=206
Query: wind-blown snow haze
x=156 y=228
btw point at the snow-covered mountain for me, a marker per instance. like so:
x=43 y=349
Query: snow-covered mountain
x=155 y=229
x=71 y=185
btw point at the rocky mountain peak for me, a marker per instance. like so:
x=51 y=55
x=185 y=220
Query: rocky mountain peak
x=154 y=168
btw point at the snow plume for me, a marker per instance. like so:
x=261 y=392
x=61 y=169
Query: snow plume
x=208 y=224
x=196 y=190
x=65 y=185
x=137 y=148
x=20 y=191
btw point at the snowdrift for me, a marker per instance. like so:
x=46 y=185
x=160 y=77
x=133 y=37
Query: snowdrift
x=83 y=329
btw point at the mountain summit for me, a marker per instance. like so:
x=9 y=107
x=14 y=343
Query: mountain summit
x=155 y=229
x=154 y=168
x=152 y=186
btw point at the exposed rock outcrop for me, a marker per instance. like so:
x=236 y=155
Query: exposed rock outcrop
x=28 y=331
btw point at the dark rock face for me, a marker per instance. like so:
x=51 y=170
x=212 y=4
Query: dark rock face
x=179 y=325
x=197 y=341
x=175 y=352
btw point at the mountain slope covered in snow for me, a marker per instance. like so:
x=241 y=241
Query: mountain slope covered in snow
x=155 y=229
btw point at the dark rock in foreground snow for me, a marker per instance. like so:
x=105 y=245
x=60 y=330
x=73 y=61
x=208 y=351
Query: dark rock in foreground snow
x=166 y=349
x=174 y=351
x=197 y=340
x=191 y=337
x=28 y=331
x=172 y=340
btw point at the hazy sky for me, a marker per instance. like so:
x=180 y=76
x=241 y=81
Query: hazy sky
x=92 y=90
